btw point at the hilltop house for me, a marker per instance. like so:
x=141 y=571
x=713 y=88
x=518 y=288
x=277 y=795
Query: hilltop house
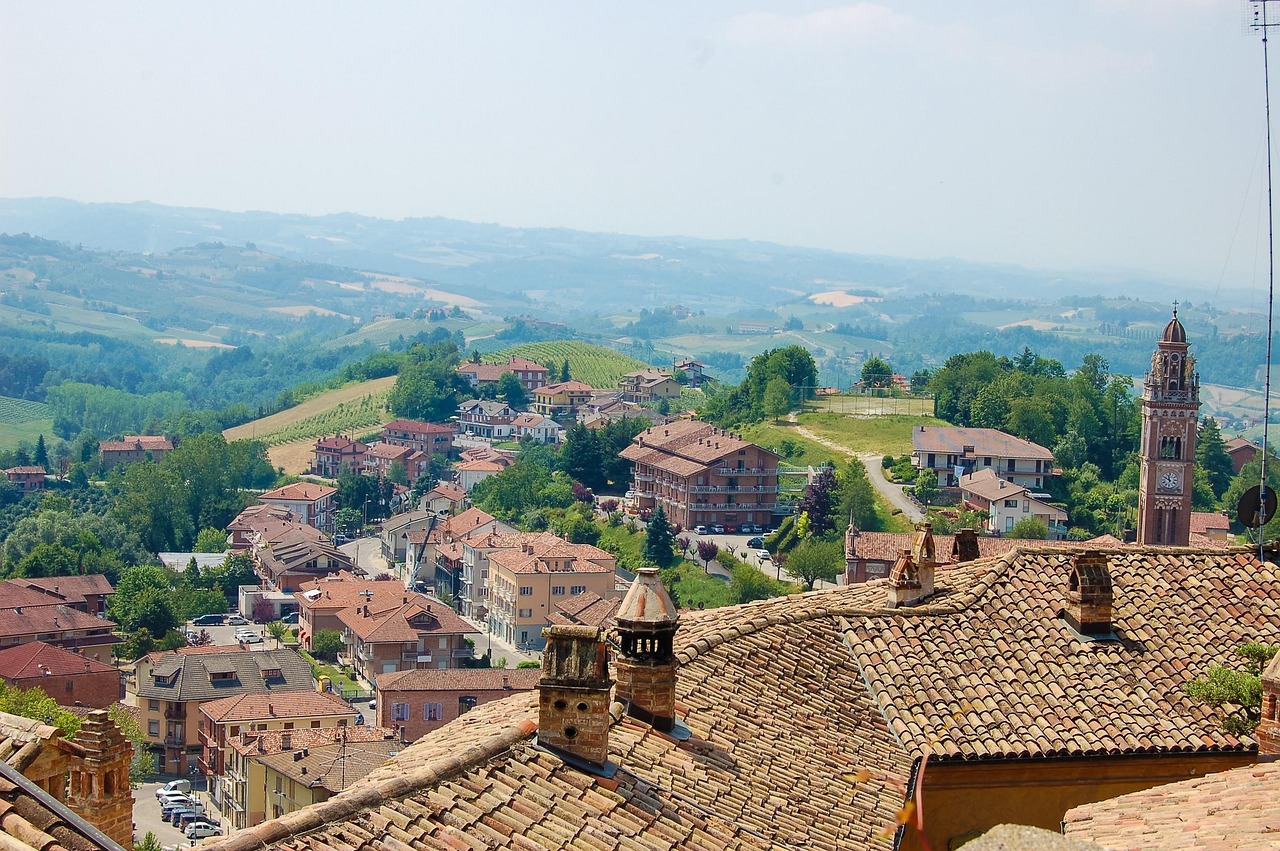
x=532 y=375
x=309 y=502
x=646 y=386
x=561 y=399
x=695 y=371
x=133 y=448
x=486 y=419
x=952 y=452
x=701 y=475
x=27 y=479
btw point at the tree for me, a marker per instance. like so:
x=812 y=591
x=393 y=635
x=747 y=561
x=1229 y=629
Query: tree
x=153 y=611
x=1032 y=528
x=326 y=644
x=1237 y=688
x=777 y=398
x=346 y=521
x=817 y=501
x=858 y=497
x=512 y=391
x=277 y=630
x=707 y=551
x=138 y=589
x=34 y=703
x=876 y=373
x=42 y=453
x=211 y=540
x=926 y=487
x=812 y=560
x=1212 y=457
x=659 y=542
x=564 y=370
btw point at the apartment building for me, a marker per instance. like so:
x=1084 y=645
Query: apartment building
x=952 y=452
x=311 y=503
x=412 y=632
x=416 y=702
x=303 y=767
x=333 y=456
x=528 y=581
x=703 y=475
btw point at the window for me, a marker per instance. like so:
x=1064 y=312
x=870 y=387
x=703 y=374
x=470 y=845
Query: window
x=1012 y=465
x=399 y=712
x=578 y=589
x=1008 y=524
x=986 y=462
x=153 y=705
x=234 y=731
x=526 y=590
x=1010 y=503
x=433 y=712
x=71 y=685
x=315 y=725
x=444 y=643
x=1026 y=506
x=557 y=590
x=526 y=613
x=288 y=725
x=1171 y=448
x=153 y=728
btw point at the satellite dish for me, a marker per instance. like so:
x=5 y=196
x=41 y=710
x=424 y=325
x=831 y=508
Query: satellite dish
x=1256 y=507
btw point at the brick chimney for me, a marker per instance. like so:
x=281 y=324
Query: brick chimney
x=1268 y=732
x=647 y=621
x=1089 y=594
x=965 y=546
x=923 y=550
x=909 y=581
x=573 y=694
x=98 y=787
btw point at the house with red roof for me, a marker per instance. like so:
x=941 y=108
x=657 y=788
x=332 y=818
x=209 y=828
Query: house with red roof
x=28 y=479
x=412 y=631
x=337 y=455
x=954 y=451
x=132 y=449
x=532 y=375
x=1241 y=452
x=381 y=458
x=69 y=678
x=419 y=701
x=38 y=616
x=428 y=438
x=310 y=502
x=447 y=497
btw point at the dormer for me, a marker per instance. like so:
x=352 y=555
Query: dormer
x=1089 y=595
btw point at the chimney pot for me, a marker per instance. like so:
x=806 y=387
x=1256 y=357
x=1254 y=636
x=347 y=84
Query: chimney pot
x=1089 y=594
x=573 y=694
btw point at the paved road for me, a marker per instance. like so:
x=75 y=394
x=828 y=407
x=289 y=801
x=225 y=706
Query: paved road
x=891 y=492
x=367 y=553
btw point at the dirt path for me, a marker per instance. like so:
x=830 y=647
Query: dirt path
x=893 y=493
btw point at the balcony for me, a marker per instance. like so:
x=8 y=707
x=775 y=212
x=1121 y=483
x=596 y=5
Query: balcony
x=746 y=471
x=415 y=656
x=175 y=741
x=176 y=712
x=463 y=653
x=734 y=489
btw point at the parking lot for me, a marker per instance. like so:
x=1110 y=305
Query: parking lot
x=146 y=817
x=224 y=636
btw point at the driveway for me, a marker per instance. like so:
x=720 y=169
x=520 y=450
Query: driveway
x=367 y=554
x=891 y=492
x=146 y=816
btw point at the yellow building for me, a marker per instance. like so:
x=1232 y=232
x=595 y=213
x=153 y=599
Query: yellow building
x=563 y=398
x=230 y=728
x=313 y=766
x=527 y=582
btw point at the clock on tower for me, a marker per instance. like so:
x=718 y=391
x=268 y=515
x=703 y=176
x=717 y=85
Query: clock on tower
x=1170 y=413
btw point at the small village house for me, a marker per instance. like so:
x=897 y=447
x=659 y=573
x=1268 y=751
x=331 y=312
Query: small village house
x=415 y=702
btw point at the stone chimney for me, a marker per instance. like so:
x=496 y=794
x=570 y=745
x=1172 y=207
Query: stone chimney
x=573 y=694
x=647 y=621
x=909 y=582
x=922 y=547
x=965 y=547
x=1089 y=594
x=98 y=787
x=1268 y=732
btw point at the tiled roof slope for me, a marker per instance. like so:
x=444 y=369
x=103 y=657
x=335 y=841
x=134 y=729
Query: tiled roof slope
x=193 y=682
x=951 y=440
x=34 y=658
x=1237 y=810
x=817 y=704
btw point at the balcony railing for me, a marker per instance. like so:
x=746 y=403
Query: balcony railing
x=415 y=656
x=746 y=471
x=463 y=653
x=734 y=489
x=176 y=713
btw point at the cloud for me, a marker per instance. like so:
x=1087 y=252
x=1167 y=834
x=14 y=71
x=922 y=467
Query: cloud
x=858 y=23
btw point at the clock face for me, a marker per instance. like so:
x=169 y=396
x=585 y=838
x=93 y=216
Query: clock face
x=1169 y=481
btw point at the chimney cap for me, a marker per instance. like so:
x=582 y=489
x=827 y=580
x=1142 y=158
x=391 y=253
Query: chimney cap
x=647 y=604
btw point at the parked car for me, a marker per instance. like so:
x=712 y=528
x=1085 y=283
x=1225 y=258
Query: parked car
x=207 y=620
x=717 y=529
x=236 y=620
x=182 y=787
x=291 y=618
x=249 y=637
x=373 y=704
x=175 y=816
x=341 y=538
x=755 y=543
x=763 y=555
x=699 y=530
x=172 y=798
x=731 y=528
x=200 y=830
x=168 y=810
x=188 y=818
x=752 y=529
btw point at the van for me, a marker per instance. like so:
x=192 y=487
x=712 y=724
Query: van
x=207 y=620
x=180 y=786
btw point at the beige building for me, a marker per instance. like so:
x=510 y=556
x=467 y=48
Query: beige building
x=172 y=687
x=311 y=503
x=312 y=766
x=236 y=793
x=527 y=582
x=648 y=386
x=412 y=632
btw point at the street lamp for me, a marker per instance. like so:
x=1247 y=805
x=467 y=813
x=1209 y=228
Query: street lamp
x=366 y=516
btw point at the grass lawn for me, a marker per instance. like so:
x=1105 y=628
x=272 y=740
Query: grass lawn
x=890 y=435
x=341 y=682
x=806 y=452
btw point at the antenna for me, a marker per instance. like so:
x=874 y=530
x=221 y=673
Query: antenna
x=1261 y=21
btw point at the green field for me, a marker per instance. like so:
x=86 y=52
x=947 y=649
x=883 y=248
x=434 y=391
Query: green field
x=594 y=365
x=353 y=408
x=884 y=435
x=22 y=421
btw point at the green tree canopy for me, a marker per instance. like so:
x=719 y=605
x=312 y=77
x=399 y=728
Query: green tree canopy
x=876 y=374
x=512 y=391
x=812 y=560
x=659 y=543
x=1212 y=457
x=1031 y=528
x=211 y=540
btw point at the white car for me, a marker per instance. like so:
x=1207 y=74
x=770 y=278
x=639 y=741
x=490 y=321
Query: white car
x=249 y=637
x=201 y=829
x=236 y=620
x=763 y=555
x=181 y=787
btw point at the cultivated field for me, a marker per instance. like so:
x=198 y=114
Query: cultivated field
x=22 y=421
x=357 y=407
x=594 y=365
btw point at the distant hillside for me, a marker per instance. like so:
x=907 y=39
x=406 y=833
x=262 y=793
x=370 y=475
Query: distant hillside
x=594 y=365
x=23 y=421
x=352 y=409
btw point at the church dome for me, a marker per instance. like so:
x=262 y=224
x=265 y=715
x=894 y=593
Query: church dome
x=1174 y=332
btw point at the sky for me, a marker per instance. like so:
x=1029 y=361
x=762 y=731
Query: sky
x=1075 y=134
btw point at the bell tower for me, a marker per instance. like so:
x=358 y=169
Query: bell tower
x=1170 y=413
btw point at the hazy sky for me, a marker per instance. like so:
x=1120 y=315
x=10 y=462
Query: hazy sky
x=1071 y=133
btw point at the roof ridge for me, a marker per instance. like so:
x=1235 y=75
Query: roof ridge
x=370 y=795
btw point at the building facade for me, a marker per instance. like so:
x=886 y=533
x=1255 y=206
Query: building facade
x=416 y=702
x=953 y=451
x=336 y=455
x=427 y=438
x=1170 y=405
x=703 y=475
x=311 y=503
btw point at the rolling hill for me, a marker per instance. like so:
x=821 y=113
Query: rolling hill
x=594 y=365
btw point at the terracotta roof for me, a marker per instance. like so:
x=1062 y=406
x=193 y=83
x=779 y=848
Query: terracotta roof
x=532 y=421
x=495 y=371
x=563 y=387
x=1235 y=444
x=302 y=553
x=586 y=609
x=819 y=703
x=1204 y=522
x=416 y=427
x=134 y=442
x=18 y=593
x=395 y=624
x=254 y=517
x=1237 y=810
x=37 y=659
x=686 y=446
x=32 y=620
x=300 y=491
x=460 y=679
x=340 y=444
x=345 y=589
x=272 y=741
x=306 y=703
x=532 y=556
x=448 y=490
x=72 y=589
x=334 y=766
x=193 y=682
x=27 y=471
x=480 y=467
x=389 y=451
x=951 y=440
x=989 y=486
x=33 y=819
